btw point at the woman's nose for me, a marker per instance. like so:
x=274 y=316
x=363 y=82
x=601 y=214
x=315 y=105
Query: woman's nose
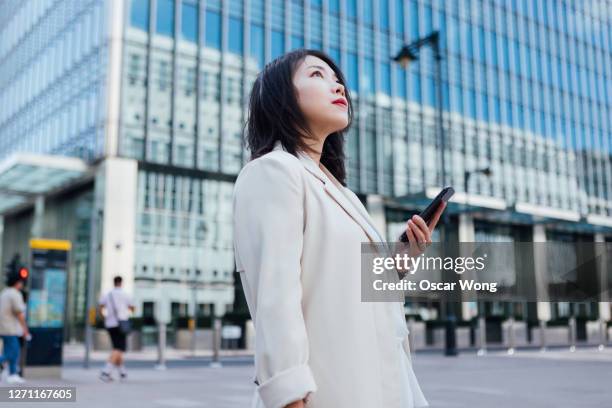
x=340 y=88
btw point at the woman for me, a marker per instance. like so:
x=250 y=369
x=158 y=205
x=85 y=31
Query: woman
x=297 y=238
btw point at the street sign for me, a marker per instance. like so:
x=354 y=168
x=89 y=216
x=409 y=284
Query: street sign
x=47 y=301
x=231 y=332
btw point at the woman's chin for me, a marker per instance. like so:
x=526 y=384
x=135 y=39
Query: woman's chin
x=338 y=123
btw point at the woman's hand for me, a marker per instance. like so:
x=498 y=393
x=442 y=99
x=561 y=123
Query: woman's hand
x=419 y=233
x=299 y=404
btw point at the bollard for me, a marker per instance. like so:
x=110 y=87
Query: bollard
x=602 y=335
x=482 y=336
x=411 y=333
x=542 y=336
x=511 y=340
x=450 y=345
x=161 y=346
x=216 y=363
x=192 y=329
x=572 y=329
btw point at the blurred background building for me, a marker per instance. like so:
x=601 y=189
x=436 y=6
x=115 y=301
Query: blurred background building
x=121 y=124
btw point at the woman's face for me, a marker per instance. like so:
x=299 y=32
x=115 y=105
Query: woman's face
x=320 y=96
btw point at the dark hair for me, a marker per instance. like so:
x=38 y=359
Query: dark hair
x=12 y=278
x=274 y=113
x=117 y=280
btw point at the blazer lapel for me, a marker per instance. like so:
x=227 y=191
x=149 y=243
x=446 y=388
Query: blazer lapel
x=343 y=199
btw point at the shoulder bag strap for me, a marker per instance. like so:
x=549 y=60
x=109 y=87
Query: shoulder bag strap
x=110 y=295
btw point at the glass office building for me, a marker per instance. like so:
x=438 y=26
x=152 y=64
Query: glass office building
x=157 y=89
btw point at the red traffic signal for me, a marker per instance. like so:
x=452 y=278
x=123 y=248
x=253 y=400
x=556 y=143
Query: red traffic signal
x=23 y=273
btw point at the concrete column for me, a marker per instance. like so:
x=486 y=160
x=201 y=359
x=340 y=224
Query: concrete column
x=118 y=179
x=539 y=235
x=467 y=232
x=37 y=230
x=376 y=209
x=604 y=305
x=114 y=36
x=543 y=308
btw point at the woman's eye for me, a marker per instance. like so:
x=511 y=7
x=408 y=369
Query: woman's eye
x=317 y=72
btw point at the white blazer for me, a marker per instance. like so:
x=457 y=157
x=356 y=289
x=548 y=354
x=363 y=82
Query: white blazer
x=297 y=242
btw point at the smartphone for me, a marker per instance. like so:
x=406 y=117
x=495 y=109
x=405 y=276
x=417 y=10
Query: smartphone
x=427 y=213
x=443 y=196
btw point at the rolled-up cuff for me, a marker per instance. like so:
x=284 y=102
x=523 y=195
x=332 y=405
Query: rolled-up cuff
x=287 y=386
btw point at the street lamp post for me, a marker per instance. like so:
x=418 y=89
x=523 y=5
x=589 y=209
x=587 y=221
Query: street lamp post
x=407 y=54
x=410 y=53
x=90 y=319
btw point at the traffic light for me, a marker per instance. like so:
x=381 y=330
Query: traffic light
x=15 y=270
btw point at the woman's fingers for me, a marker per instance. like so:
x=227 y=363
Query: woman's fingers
x=420 y=222
x=411 y=238
x=418 y=234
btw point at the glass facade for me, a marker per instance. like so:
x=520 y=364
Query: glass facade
x=52 y=74
x=527 y=88
x=523 y=90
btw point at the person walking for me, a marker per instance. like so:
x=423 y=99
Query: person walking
x=116 y=306
x=12 y=325
x=298 y=231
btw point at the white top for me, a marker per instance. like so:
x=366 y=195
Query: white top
x=297 y=244
x=121 y=300
x=11 y=303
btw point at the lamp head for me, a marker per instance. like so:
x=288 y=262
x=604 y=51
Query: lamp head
x=405 y=56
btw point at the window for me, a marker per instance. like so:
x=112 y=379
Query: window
x=415 y=84
x=334 y=6
x=297 y=42
x=485 y=107
x=189 y=22
x=384 y=14
x=351 y=8
x=148 y=310
x=428 y=19
x=334 y=53
x=385 y=78
x=165 y=17
x=430 y=91
x=257 y=44
x=368 y=77
x=278 y=43
x=235 y=35
x=400 y=75
x=399 y=16
x=139 y=14
x=353 y=74
x=414 y=19
x=367 y=12
x=213 y=29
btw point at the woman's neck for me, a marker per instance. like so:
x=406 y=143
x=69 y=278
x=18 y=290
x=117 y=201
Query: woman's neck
x=317 y=150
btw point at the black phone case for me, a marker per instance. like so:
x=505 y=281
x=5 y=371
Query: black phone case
x=428 y=212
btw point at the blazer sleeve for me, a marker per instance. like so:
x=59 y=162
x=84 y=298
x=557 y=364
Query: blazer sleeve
x=268 y=237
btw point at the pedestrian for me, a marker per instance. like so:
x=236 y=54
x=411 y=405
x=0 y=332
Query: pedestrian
x=12 y=324
x=116 y=306
x=298 y=231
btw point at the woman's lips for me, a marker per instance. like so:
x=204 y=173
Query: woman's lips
x=340 y=103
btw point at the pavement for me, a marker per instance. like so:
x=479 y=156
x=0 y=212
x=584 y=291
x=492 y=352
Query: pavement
x=528 y=378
